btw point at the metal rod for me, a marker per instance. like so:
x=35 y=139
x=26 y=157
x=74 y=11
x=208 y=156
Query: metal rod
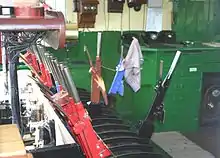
x=37 y=52
x=56 y=77
x=53 y=61
x=41 y=51
x=62 y=66
x=161 y=69
x=73 y=91
x=58 y=80
x=4 y=68
x=14 y=91
x=61 y=80
x=50 y=67
x=99 y=39
x=173 y=65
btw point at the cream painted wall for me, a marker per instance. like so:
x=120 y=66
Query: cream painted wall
x=112 y=21
x=131 y=20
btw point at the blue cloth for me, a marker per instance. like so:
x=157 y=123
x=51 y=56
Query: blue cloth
x=57 y=86
x=117 y=86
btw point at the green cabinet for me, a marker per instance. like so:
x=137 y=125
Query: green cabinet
x=183 y=98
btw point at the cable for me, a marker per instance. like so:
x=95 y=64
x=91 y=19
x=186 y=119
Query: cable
x=104 y=8
x=121 y=24
x=129 y=19
x=121 y=41
x=107 y=68
x=108 y=21
x=144 y=17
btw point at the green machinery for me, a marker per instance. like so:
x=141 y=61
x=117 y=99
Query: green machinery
x=183 y=102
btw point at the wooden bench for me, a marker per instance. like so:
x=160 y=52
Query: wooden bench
x=11 y=143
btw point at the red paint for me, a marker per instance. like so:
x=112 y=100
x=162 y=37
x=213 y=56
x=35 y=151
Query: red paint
x=29 y=12
x=0 y=48
x=34 y=23
x=81 y=127
x=95 y=92
x=31 y=60
x=42 y=73
x=80 y=124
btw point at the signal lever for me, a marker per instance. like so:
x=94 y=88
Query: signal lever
x=157 y=112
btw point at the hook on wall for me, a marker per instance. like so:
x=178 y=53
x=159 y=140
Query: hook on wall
x=136 y=4
x=88 y=10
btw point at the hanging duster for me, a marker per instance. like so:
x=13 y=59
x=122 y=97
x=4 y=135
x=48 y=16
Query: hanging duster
x=132 y=65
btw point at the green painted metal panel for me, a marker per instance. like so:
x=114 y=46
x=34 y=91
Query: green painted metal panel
x=80 y=73
x=196 y=20
x=148 y=75
x=182 y=102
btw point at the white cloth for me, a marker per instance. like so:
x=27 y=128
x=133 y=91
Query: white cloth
x=132 y=65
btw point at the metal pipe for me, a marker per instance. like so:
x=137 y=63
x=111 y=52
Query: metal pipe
x=14 y=92
x=37 y=52
x=46 y=54
x=4 y=68
x=61 y=81
x=72 y=86
x=47 y=62
x=56 y=70
x=62 y=77
x=54 y=73
x=50 y=67
x=62 y=66
x=44 y=58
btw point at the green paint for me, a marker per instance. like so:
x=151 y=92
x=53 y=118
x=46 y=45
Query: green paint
x=196 y=20
x=182 y=102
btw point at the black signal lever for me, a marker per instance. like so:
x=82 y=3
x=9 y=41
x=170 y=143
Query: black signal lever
x=157 y=112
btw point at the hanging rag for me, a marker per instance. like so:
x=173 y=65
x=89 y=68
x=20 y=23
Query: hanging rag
x=117 y=86
x=132 y=65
